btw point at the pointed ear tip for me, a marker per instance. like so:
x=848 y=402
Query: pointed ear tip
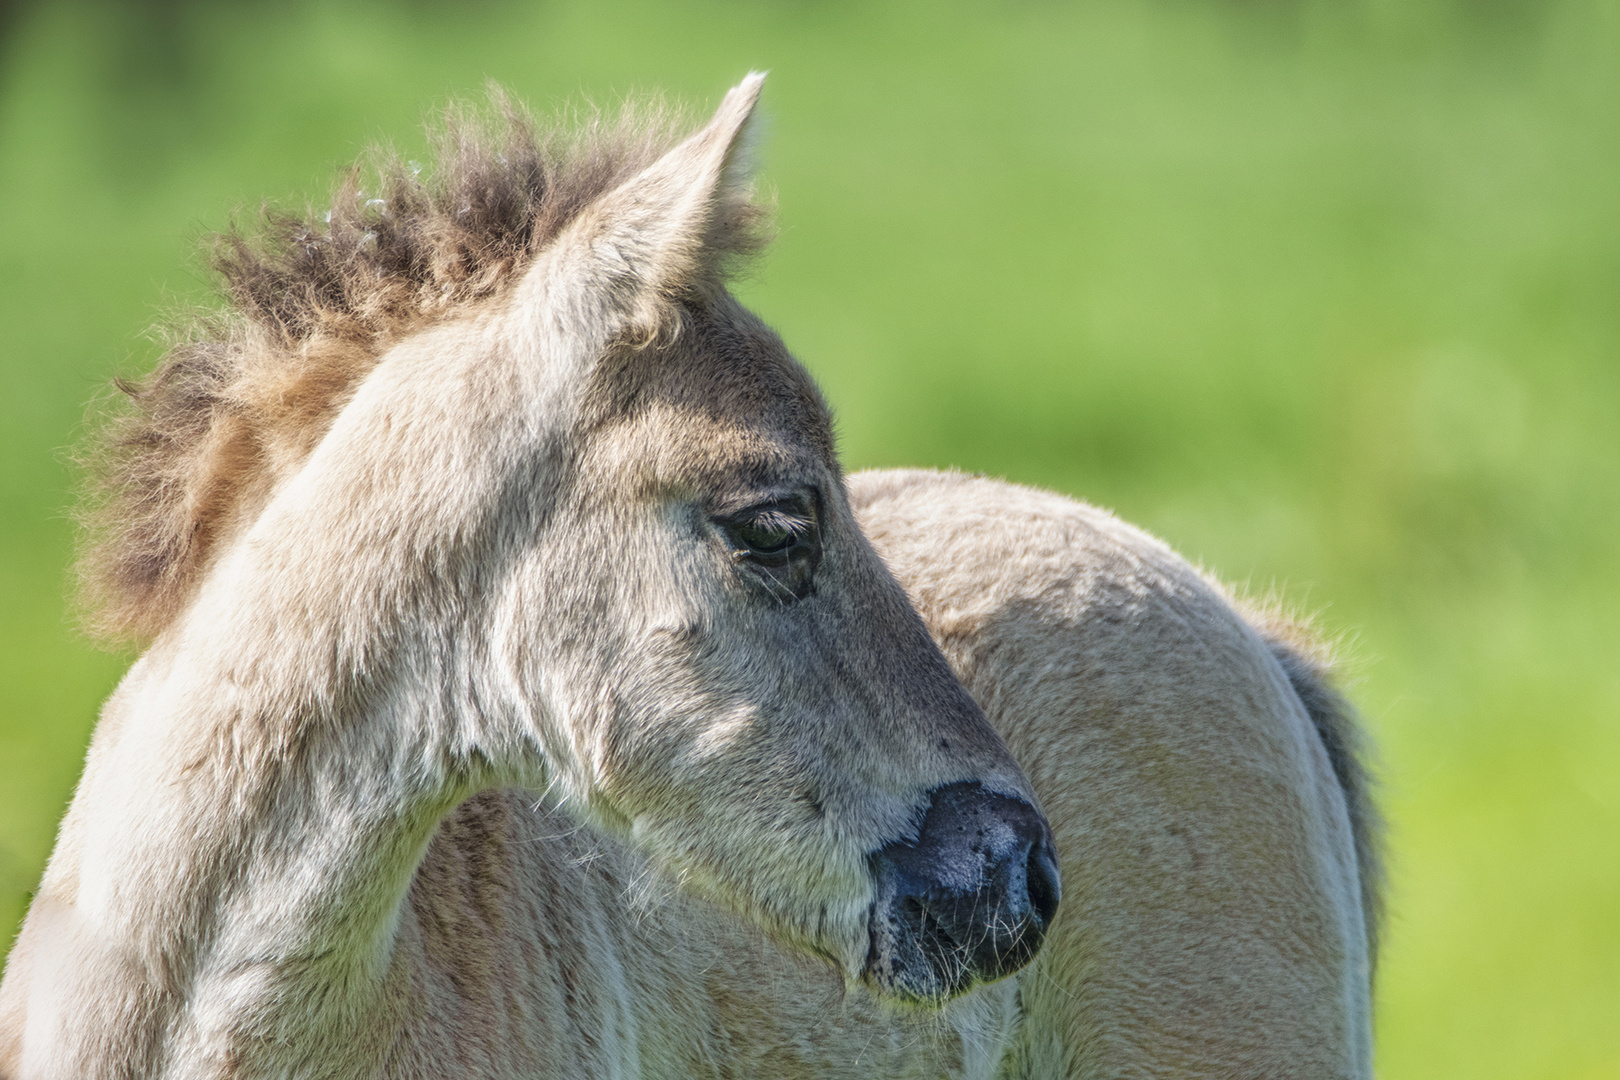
x=746 y=92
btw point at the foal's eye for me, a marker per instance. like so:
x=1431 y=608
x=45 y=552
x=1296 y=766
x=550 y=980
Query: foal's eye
x=779 y=542
x=765 y=535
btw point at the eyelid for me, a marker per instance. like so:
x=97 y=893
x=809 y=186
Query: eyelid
x=799 y=503
x=792 y=500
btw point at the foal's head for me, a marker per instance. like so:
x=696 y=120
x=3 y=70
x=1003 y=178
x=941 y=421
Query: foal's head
x=613 y=488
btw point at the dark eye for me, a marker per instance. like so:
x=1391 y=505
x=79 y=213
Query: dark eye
x=777 y=543
x=768 y=533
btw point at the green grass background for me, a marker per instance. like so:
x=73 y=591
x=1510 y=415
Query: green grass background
x=1326 y=294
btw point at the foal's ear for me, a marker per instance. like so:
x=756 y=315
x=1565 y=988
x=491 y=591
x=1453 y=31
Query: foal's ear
x=661 y=235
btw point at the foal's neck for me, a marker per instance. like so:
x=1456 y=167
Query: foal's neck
x=218 y=867
x=264 y=783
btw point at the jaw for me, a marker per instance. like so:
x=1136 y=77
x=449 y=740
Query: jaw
x=800 y=909
x=834 y=930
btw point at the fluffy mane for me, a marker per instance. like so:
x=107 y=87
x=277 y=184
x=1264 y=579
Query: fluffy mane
x=241 y=396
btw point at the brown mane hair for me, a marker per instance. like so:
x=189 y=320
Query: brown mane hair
x=241 y=396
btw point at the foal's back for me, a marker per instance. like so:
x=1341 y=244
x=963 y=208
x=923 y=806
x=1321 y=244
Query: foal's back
x=1212 y=922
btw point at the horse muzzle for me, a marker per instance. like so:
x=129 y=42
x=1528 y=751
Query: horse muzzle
x=968 y=901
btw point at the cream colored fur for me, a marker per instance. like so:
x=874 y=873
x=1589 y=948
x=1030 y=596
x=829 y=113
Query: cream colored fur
x=1212 y=922
x=473 y=754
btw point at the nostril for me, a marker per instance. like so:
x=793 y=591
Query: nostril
x=1044 y=884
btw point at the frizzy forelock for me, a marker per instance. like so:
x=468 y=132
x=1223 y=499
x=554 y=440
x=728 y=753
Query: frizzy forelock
x=188 y=454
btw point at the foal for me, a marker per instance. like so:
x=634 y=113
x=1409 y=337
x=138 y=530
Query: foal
x=498 y=569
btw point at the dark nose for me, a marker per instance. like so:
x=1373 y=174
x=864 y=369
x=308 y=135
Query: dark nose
x=968 y=901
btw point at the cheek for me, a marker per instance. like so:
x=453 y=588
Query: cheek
x=705 y=761
x=675 y=687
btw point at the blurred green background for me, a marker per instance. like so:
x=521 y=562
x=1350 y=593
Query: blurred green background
x=1326 y=294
